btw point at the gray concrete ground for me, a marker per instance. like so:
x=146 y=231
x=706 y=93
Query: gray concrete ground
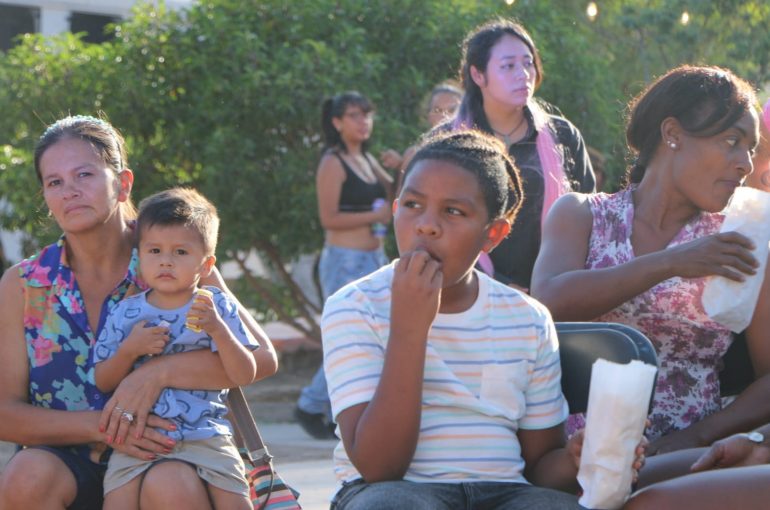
x=303 y=462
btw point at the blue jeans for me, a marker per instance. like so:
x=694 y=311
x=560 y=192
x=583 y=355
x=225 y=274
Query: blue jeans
x=337 y=267
x=401 y=495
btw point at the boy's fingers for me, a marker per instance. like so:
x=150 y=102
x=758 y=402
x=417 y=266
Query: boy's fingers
x=403 y=262
x=432 y=267
x=437 y=280
x=416 y=263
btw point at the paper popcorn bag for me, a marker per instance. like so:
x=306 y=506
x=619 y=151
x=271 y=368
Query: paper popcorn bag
x=732 y=303
x=617 y=411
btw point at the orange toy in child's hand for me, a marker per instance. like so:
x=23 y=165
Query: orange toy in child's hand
x=192 y=326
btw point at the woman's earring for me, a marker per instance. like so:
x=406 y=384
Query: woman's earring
x=673 y=145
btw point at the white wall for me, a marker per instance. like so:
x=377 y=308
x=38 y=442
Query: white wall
x=54 y=15
x=108 y=7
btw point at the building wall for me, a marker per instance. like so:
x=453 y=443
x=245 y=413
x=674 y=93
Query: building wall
x=53 y=17
x=58 y=11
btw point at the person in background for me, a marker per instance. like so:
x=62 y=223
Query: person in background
x=53 y=307
x=354 y=196
x=441 y=105
x=639 y=256
x=598 y=162
x=501 y=70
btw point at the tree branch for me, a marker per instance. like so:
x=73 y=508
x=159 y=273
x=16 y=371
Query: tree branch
x=297 y=295
x=311 y=330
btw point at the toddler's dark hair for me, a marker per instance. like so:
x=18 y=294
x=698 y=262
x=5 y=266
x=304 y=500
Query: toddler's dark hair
x=180 y=206
x=486 y=158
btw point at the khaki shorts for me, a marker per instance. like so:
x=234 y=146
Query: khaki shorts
x=216 y=460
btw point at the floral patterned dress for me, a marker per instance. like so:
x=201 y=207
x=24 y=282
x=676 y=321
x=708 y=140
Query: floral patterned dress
x=59 y=339
x=689 y=344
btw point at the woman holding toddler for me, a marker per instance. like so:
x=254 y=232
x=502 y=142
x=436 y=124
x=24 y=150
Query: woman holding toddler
x=54 y=306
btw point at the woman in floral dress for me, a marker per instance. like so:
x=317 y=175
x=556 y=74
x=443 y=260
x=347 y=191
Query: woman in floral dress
x=639 y=256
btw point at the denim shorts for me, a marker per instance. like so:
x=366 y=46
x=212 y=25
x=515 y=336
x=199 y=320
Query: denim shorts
x=88 y=477
x=340 y=266
x=401 y=494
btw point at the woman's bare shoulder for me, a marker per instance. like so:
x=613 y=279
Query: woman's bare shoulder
x=330 y=165
x=11 y=302
x=11 y=279
x=572 y=203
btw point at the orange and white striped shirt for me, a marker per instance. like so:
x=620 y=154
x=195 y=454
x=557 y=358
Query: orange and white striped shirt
x=489 y=371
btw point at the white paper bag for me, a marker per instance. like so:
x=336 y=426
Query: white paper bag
x=732 y=303
x=617 y=411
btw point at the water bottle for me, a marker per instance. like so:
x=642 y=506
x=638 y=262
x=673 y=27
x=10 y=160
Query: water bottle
x=379 y=229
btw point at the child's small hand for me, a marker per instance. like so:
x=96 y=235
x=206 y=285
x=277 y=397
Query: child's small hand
x=391 y=159
x=416 y=290
x=146 y=340
x=203 y=315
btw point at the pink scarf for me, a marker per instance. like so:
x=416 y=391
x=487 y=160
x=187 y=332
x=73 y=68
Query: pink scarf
x=551 y=161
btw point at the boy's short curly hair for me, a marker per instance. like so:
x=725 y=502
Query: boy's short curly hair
x=180 y=206
x=486 y=158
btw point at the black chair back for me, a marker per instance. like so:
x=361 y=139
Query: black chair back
x=737 y=372
x=582 y=343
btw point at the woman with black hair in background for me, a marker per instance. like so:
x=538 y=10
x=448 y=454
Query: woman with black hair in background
x=501 y=70
x=354 y=196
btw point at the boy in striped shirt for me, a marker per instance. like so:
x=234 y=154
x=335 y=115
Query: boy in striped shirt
x=445 y=384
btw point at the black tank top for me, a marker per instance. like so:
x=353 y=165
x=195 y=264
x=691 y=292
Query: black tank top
x=358 y=195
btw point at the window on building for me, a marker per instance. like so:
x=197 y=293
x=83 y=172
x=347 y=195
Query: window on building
x=16 y=20
x=93 y=25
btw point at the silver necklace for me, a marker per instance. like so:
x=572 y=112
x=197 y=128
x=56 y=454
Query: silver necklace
x=507 y=137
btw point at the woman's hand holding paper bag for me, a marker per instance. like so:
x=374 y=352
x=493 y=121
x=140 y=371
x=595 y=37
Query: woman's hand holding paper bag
x=730 y=301
x=727 y=254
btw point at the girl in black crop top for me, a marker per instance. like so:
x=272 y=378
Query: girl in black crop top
x=358 y=195
x=354 y=193
x=349 y=180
